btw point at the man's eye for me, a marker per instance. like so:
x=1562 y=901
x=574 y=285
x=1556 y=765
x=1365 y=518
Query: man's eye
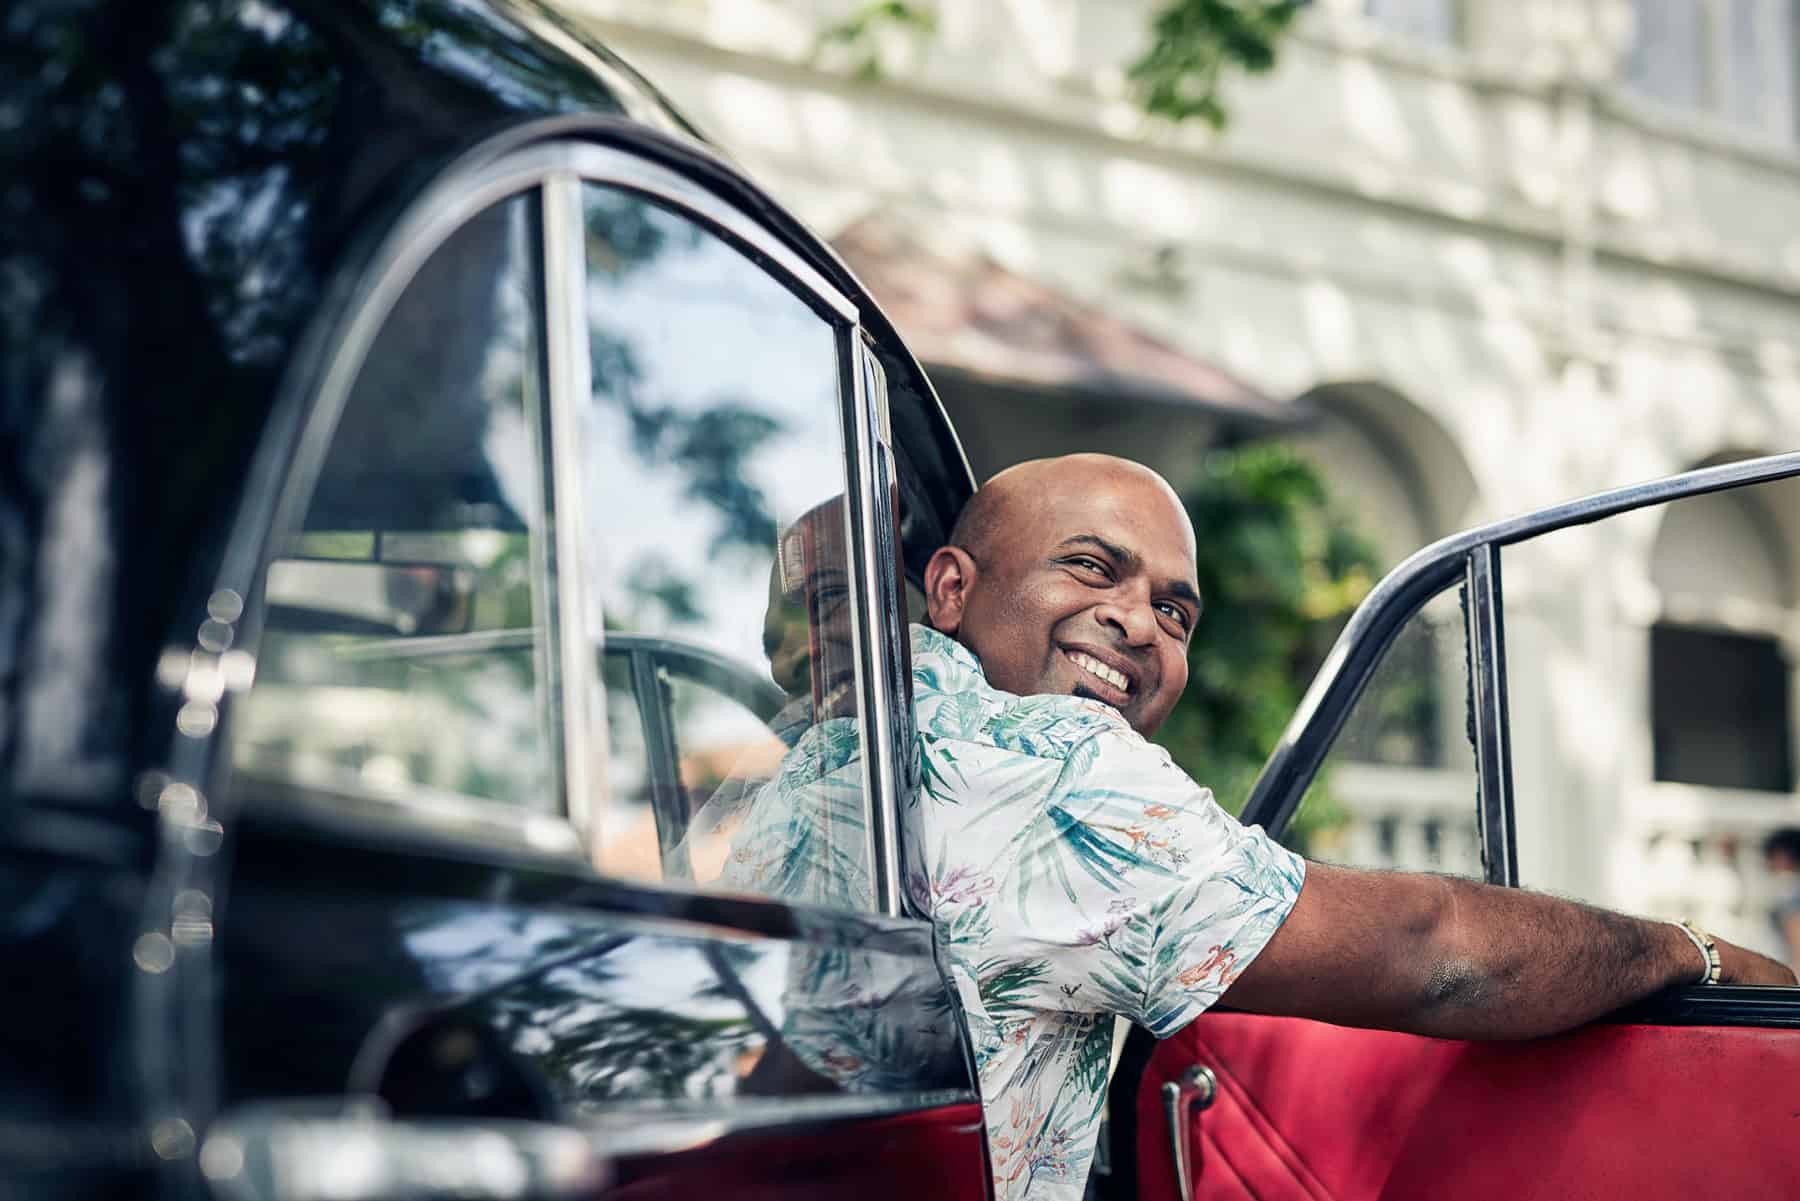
x=1093 y=565
x=1177 y=612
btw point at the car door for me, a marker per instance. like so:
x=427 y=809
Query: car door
x=553 y=843
x=1692 y=1093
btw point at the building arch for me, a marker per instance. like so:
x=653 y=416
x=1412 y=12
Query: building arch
x=1392 y=465
x=1400 y=768
x=1738 y=550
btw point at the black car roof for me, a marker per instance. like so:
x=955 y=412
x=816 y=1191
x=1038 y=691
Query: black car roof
x=182 y=185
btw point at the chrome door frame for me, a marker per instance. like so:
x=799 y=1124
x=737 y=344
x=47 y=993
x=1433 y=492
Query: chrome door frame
x=1473 y=556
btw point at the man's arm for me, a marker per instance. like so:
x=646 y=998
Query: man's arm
x=1456 y=959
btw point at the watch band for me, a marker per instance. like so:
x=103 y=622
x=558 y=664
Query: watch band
x=1709 y=950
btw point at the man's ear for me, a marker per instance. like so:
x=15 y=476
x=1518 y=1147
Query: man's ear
x=948 y=576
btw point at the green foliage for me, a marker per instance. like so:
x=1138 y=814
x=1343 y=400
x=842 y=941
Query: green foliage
x=1278 y=567
x=857 y=33
x=1194 y=44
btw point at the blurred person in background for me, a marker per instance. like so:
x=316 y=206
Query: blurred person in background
x=1781 y=852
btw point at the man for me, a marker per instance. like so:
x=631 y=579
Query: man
x=1073 y=872
x=1781 y=853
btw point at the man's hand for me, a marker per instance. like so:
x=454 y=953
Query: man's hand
x=1740 y=966
x=1456 y=959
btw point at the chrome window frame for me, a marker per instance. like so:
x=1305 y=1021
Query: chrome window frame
x=1474 y=556
x=443 y=209
x=887 y=692
x=554 y=173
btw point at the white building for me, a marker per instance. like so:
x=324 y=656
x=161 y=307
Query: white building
x=1514 y=250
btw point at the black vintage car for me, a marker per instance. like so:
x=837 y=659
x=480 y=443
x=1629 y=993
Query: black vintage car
x=434 y=488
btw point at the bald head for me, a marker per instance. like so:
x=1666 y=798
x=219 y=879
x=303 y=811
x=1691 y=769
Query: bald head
x=1074 y=575
x=994 y=503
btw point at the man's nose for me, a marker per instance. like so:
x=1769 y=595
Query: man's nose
x=1131 y=617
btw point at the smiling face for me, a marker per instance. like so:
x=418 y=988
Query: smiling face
x=807 y=631
x=1076 y=577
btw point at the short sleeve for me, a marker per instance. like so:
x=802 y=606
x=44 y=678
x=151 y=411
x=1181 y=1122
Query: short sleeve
x=1134 y=893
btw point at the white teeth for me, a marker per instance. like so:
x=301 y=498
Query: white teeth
x=1093 y=666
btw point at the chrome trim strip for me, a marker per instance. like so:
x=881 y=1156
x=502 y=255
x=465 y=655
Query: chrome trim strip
x=861 y=440
x=1487 y=697
x=660 y=749
x=888 y=629
x=276 y=1152
x=303 y=1152
x=1405 y=589
x=544 y=637
x=571 y=385
x=620 y=1133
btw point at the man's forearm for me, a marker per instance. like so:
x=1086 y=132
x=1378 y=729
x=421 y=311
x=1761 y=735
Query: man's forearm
x=1507 y=963
x=1456 y=959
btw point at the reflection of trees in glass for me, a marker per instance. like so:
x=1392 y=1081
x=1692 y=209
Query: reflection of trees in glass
x=626 y=1053
x=423 y=441
x=1396 y=719
x=432 y=454
x=710 y=447
x=1276 y=562
x=570 y=998
x=625 y=232
x=655 y=581
x=574 y=1001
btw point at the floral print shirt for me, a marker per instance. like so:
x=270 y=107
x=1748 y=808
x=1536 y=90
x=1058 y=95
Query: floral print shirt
x=1073 y=872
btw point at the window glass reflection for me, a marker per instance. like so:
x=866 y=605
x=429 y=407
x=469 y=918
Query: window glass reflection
x=713 y=478
x=1398 y=787
x=406 y=643
x=1651 y=696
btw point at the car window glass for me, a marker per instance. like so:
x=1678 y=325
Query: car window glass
x=714 y=476
x=1650 y=680
x=406 y=645
x=1397 y=789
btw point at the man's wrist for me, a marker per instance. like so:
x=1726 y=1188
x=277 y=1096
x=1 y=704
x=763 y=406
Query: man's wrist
x=1707 y=950
x=1681 y=962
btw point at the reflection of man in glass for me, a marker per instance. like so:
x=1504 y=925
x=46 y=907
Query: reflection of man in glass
x=799 y=835
x=807 y=631
x=855 y=1020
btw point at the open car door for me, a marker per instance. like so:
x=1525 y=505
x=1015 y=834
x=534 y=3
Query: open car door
x=579 y=598
x=1692 y=1093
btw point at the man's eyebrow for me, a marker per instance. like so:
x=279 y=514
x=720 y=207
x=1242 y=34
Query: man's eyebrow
x=1182 y=590
x=1128 y=560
